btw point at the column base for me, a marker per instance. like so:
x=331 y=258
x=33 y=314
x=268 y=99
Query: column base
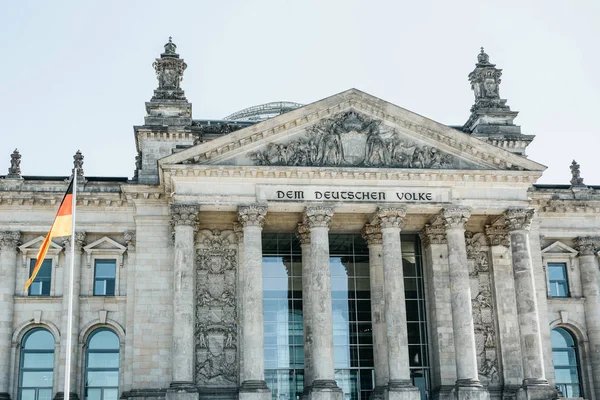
x=474 y=392
x=218 y=393
x=325 y=389
x=61 y=396
x=182 y=391
x=536 y=389
x=254 y=390
x=402 y=390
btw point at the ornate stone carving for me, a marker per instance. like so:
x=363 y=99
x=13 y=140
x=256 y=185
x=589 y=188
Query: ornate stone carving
x=587 y=246
x=169 y=72
x=372 y=234
x=456 y=217
x=79 y=241
x=252 y=215
x=9 y=240
x=78 y=163
x=497 y=235
x=216 y=315
x=14 y=172
x=485 y=79
x=389 y=217
x=138 y=165
x=238 y=229
x=130 y=240
x=434 y=232
x=483 y=306
x=576 y=179
x=184 y=214
x=317 y=216
x=518 y=218
x=303 y=233
x=353 y=139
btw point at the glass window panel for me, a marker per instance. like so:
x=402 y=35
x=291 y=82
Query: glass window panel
x=111 y=394
x=412 y=310
x=44 y=394
x=106 y=268
x=94 y=394
x=38 y=360
x=103 y=360
x=104 y=340
x=366 y=356
x=39 y=339
x=361 y=266
x=110 y=287
x=409 y=267
x=36 y=378
x=27 y=394
x=102 y=378
x=100 y=288
x=557 y=271
x=341 y=356
x=45 y=269
x=414 y=334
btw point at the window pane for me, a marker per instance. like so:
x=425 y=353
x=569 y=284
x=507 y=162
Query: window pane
x=106 y=268
x=45 y=394
x=38 y=360
x=104 y=340
x=27 y=394
x=102 y=378
x=36 y=378
x=100 y=287
x=94 y=394
x=110 y=287
x=557 y=271
x=111 y=394
x=45 y=270
x=103 y=360
x=40 y=339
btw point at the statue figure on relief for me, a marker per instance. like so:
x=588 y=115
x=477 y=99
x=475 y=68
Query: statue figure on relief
x=331 y=146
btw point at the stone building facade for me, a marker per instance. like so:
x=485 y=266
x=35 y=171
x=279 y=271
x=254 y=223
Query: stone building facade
x=348 y=249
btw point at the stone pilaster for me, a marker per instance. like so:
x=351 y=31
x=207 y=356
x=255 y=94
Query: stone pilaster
x=506 y=305
x=9 y=240
x=372 y=235
x=184 y=219
x=389 y=219
x=253 y=387
x=303 y=234
x=535 y=385
x=74 y=280
x=435 y=262
x=590 y=281
x=323 y=385
x=467 y=383
x=128 y=371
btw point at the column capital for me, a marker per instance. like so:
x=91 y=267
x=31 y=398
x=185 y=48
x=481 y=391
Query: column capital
x=184 y=214
x=303 y=233
x=79 y=241
x=518 y=218
x=317 y=216
x=252 y=215
x=9 y=240
x=587 y=246
x=389 y=217
x=497 y=235
x=434 y=233
x=372 y=234
x=455 y=217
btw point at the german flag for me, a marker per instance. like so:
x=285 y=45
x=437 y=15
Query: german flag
x=60 y=227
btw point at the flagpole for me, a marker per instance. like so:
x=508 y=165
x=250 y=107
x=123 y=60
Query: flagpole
x=69 y=332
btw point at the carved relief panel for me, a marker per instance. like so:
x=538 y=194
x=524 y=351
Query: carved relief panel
x=484 y=314
x=216 y=326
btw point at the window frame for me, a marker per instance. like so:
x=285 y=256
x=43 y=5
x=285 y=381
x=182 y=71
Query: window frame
x=101 y=351
x=29 y=251
x=551 y=281
x=21 y=367
x=32 y=262
x=577 y=350
x=104 y=248
x=560 y=253
x=116 y=263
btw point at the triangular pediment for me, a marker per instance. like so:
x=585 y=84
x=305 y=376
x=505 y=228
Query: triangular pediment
x=105 y=244
x=352 y=129
x=34 y=245
x=559 y=248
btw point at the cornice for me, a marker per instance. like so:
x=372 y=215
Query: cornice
x=549 y=206
x=32 y=199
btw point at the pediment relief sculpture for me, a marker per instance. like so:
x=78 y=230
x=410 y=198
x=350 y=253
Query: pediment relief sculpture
x=353 y=139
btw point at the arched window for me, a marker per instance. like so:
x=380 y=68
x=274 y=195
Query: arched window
x=36 y=373
x=102 y=366
x=566 y=363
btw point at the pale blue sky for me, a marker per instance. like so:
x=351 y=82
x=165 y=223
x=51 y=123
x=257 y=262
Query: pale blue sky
x=76 y=74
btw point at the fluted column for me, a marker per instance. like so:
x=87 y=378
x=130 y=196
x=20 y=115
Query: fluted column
x=253 y=387
x=590 y=281
x=455 y=219
x=389 y=219
x=9 y=240
x=184 y=219
x=323 y=386
x=372 y=235
x=303 y=233
x=518 y=222
x=75 y=280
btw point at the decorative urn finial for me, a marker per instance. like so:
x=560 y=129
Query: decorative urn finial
x=483 y=58
x=576 y=179
x=78 y=163
x=14 y=172
x=169 y=72
x=170 y=49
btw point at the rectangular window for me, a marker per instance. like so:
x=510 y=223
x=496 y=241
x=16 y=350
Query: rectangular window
x=104 y=277
x=557 y=276
x=41 y=284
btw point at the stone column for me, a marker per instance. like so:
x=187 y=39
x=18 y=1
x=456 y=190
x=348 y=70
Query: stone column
x=467 y=383
x=253 y=387
x=303 y=234
x=127 y=365
x=75 y=280
x=518 y=222
x=590 y=283
x=9 y=240
x=184 y=219
x=389 y=219
x=323 y=386
x=372 y=235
